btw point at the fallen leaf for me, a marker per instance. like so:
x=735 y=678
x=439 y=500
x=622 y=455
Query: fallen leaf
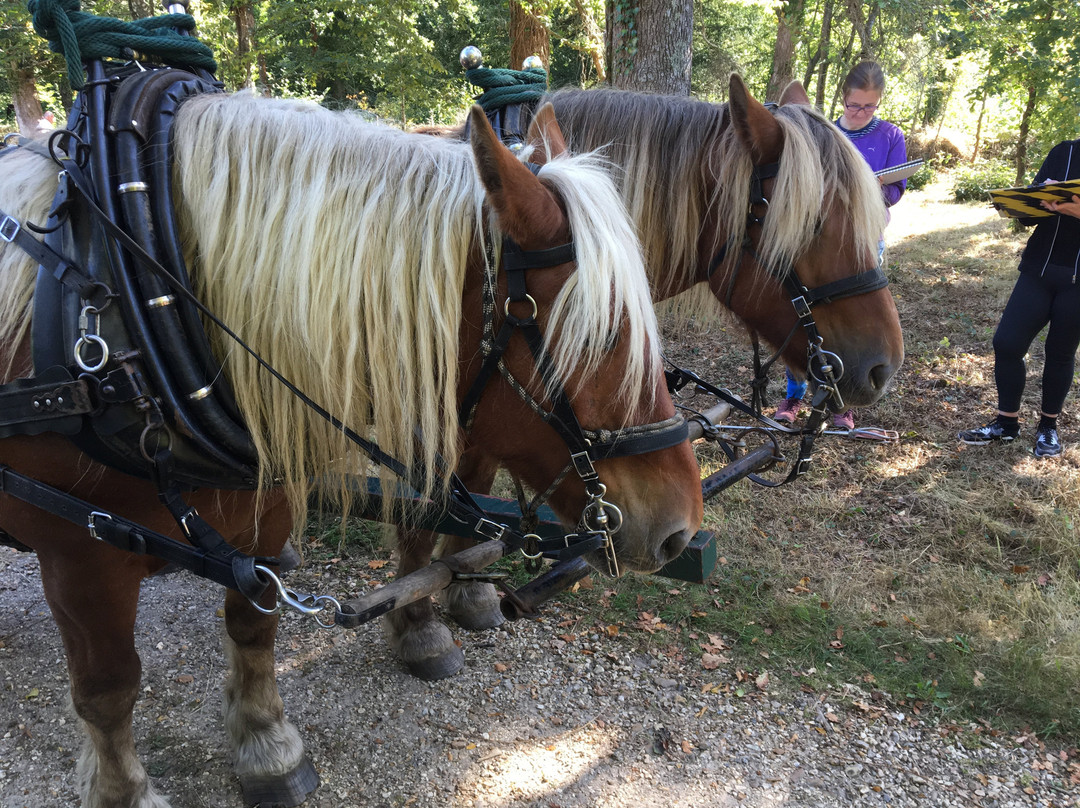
x=833 y=718
x=612 y=631
x=762 y=682
x=185 y=678
x=377 y=563
x=978 y=679
x=1020 y=568
x=500 y=667
x=711 y=662
x=687 y=747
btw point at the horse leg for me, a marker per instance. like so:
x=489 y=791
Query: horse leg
x=97 y=624
x=474 y=604
x=269 y=754
x=423 y=643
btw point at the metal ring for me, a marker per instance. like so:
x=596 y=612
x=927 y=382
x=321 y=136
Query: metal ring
x=160 y=302
x=834 y=364
x=533 y=539
x=201 y=393
x=102 y=346
x=132 y=187
x=506 y=305
x=146 y=433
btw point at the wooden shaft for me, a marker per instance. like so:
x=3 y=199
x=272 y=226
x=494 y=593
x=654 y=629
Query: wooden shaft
x=419 y=584
x=713 y=415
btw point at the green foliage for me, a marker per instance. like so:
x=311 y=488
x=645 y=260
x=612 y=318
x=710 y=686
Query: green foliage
x=971 y=183
x=921 y=178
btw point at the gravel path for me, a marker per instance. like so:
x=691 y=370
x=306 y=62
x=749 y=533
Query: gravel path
x=546 y=714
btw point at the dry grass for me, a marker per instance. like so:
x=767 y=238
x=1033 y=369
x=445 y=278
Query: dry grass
x=944 y=543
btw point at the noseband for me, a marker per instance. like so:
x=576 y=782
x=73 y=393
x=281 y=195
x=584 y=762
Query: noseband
x=825 y=367
x=600 y=519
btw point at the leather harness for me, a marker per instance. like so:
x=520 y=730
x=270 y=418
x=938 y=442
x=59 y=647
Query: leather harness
x=123 y=365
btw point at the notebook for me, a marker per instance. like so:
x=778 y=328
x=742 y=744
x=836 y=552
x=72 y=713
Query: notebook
x=900 y=172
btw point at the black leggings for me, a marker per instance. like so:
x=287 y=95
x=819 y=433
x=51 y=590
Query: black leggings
x=1036 y=301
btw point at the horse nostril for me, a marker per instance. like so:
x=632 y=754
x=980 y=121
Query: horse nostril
x=879 y=376
x=673 y=546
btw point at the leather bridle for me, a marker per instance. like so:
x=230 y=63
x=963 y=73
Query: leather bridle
x=825 y=367
x=600 y=519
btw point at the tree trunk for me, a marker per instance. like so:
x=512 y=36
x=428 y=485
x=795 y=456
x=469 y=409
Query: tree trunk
x=978 y=129
x=24 y=99
x=595 y=47
x=788 y=24
x=141 y=9
x=822 y=55
x=1022 y=139
x=244 y=18
x=649 y=45
x=846 y=59
x=861 y=28
x=529 y=35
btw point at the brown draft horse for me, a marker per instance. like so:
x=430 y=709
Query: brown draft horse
x=353 y=258
x=684 y=169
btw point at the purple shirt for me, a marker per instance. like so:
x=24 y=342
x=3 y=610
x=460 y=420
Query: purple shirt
x=882 y=146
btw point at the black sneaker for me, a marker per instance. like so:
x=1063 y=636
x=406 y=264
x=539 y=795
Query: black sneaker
x=1047 y=443
x=988 y=434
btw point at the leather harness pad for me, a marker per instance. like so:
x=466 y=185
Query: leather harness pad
x=159 y=355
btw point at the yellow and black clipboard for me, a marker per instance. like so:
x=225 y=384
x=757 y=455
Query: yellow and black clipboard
x=1016 y=203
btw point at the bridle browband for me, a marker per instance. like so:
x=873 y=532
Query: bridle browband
x=600 y=519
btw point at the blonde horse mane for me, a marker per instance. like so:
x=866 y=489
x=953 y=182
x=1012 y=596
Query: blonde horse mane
x=679 y=162
x=338 y=249
x=26 y=190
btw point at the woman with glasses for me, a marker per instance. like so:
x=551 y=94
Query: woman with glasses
x=882 y=146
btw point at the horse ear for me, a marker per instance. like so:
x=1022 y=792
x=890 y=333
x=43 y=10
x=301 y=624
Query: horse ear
x=527 y=211
x=546 y=136
x=755 y=125
x=795 y=93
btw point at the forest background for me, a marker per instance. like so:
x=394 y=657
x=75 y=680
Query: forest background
x=978 y=79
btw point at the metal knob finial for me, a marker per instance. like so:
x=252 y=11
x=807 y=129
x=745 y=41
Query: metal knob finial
x=471 y=57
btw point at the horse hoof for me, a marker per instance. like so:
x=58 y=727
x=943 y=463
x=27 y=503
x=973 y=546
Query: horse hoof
x=438 y=667
x=280 y=790
x=474 y=606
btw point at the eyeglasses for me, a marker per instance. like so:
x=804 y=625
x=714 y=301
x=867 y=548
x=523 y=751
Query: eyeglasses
x=861 y=107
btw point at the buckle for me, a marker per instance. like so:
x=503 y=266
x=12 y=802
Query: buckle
x=802 y=308
x=583 y=465
x=9 y=228
x=489 y=530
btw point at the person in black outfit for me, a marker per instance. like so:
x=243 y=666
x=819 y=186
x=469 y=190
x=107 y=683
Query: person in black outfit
x=1047 y=291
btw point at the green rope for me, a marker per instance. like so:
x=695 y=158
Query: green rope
x=505 y=87
x=80 y=37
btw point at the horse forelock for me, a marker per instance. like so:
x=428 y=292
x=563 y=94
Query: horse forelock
x=338 y=250
x=608 y=288
x=819 y=169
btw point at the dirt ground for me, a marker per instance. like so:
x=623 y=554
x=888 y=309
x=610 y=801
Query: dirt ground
x=552 y=714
